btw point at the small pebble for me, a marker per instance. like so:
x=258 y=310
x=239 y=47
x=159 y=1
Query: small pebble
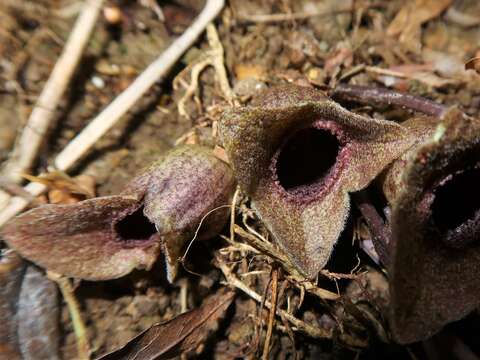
x=98 y=82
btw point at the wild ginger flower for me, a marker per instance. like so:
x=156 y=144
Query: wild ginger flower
x=298 y=155
x=435 y=223
x=107 y=237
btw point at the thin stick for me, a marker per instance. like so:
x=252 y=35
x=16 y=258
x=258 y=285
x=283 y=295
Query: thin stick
x=270 y=250
x=110 y=115
x=78 y=325
x=232 y=215
x=153 y=73
x=27 y=146
x=271 y=315
x=299 y=324
x=271 y=18
x=380 y=96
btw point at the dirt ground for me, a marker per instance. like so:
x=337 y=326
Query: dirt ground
x=347 y=41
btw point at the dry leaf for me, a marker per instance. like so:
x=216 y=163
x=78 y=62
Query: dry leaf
x=249 y=71
x=182 y=334
x=407 y=23
x=340 y=56
x=38 y=316
x=57 y=180
x=298 y=155
x=473 y=64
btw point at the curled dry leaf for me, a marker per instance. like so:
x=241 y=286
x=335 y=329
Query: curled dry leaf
x=107 y=237
x=57 y=180
x=298 y=155
x=182 y=334
x=433 y=192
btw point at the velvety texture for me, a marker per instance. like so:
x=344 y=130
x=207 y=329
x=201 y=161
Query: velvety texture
x=107 y=237
x=307 y=216
x=79 y=240
x=179 y=190
x=435 y=252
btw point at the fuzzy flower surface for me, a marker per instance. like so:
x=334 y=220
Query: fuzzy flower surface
x=107 y=237
x=435 y=222
x=298 y=155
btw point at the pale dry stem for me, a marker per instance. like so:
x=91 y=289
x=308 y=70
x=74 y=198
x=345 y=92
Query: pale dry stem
x=27 y=146
x=74 y=310
x=271 y=315
x=298 y=279
x=213 y=57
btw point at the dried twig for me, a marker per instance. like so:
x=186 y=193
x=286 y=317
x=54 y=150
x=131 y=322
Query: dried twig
x=82 y=143
x=270 y=250
x=78 y=325
x=27 y=146
x=298 y=325
x=271 y=316
x=214 y=57
x=381 y=96
x=272 y=18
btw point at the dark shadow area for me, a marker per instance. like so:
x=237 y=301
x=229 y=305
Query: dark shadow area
x=135 y=227
x=456 y=205
x=306 y=158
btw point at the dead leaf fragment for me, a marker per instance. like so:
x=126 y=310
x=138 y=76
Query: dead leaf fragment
x=473 y=64
x=12 y=268
x=250 y=71
x=182 y=334
x=57 y=180
x=407 y=23
x=38 y=316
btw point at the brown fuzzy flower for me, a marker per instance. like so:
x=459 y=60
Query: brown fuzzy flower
x=298 y=154
x=107 y=237
x=435 y=222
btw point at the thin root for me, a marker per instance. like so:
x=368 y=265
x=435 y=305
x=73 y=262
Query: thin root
x=68 y=294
